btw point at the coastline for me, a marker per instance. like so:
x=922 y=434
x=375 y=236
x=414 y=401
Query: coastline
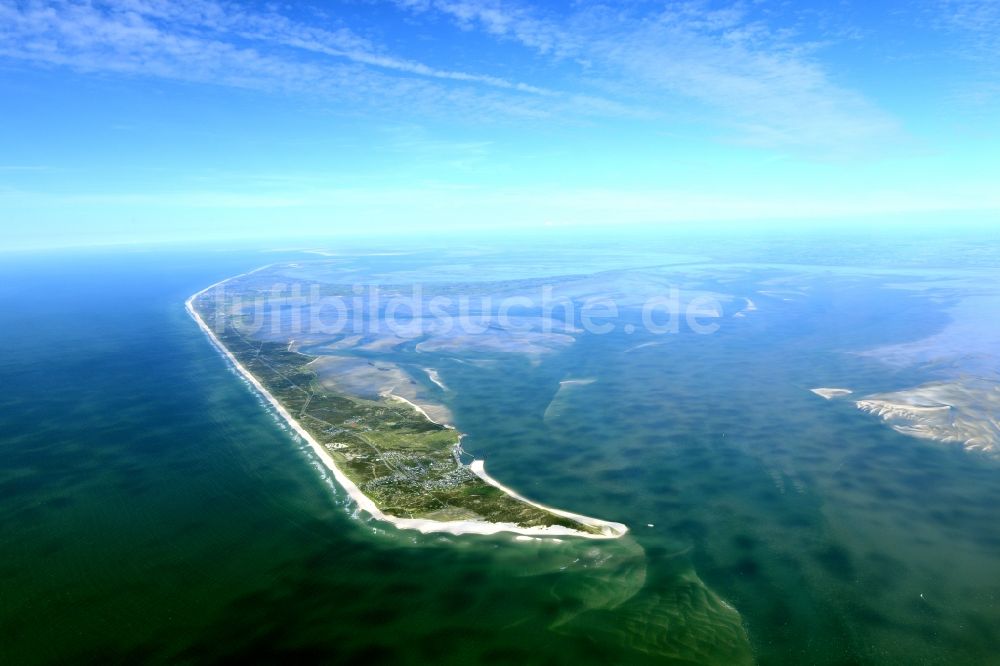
x=609 y=530
x=392 y=396
x=613 y=530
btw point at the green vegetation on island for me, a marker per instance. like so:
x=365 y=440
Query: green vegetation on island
x=408 y=465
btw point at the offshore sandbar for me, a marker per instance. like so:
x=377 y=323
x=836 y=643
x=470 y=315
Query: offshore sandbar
x=962 y=412
x=831 y=393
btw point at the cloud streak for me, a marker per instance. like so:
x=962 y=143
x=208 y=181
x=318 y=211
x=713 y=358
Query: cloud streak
x=152 y=34
x=722 y=67
x=974 y=25
x=224 y=44
x=765 y=87
x=978 y=22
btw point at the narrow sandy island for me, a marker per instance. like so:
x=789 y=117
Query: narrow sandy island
x=577 y=382
x=644 y=345
x=600 y=529
x=831 y=393
x=750 y=307
x=608 y=529
x=433 y=375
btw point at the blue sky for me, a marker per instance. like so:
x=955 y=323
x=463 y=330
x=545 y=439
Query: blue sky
x=144 y=120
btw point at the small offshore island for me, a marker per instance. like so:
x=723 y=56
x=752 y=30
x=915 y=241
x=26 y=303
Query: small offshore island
x=397 y=463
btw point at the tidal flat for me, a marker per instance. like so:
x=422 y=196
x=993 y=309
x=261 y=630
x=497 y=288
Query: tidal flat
x=767 y=525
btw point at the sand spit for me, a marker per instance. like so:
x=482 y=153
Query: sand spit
x=831 y=393
x=418 y=408
x=609 y=530
x=644 y=345
x=577 y=382
x=433 y=375
x=360 y=377
x=559 y=400
x=750 y=307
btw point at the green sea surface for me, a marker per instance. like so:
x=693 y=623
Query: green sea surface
x=154 y=509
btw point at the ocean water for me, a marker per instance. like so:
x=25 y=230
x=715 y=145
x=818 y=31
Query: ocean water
x=152 y=508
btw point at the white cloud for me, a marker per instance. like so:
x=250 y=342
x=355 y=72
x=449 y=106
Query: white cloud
x=979 y=23
x=720 y=66
x=974 y=26
x=759 y=82
x=222 y=43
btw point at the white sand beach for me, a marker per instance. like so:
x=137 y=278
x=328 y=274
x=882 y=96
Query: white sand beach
x=577 y=382
x=609 y=530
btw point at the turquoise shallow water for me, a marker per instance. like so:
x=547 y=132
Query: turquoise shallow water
x=153 y=509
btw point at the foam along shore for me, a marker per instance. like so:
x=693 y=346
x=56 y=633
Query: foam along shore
x=608 y=530
x=831 y=393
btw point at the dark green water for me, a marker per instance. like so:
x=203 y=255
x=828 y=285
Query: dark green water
x=152 y=509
